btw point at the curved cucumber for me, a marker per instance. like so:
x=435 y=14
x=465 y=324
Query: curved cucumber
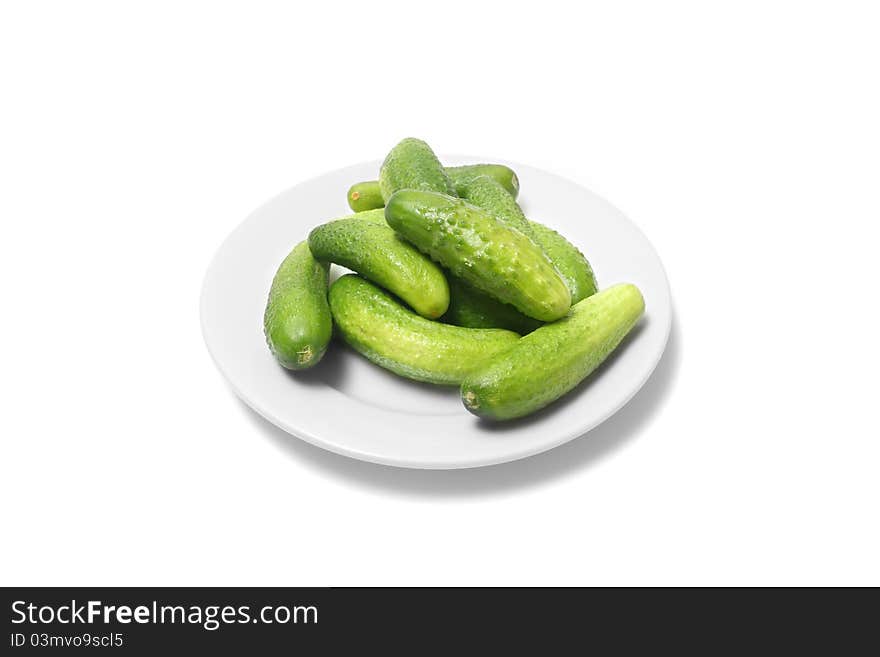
x=363 y=244
x=480 y=249
x=297 y=320
x=486 y=193
x=366 y=195
x=412 y=165
x=472 y=308
x=503 y=175
x=568 y=260
x=549 y=362
x=391 y=336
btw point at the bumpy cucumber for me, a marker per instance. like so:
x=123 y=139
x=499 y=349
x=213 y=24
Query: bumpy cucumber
x=472 y=308
x=366 y=244
x=297 y=320
x=395 y=338
x=375 y=216
x=555 y=358
x=568 y=260
x=366 y=195
x=503 y=175
x=486 y=193
x=480 y=249
x=412 y=165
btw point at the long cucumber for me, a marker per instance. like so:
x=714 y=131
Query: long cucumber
x=393 y=337
x=482 y=250
x=366 y=244
x=297 y=321
x=554 y=359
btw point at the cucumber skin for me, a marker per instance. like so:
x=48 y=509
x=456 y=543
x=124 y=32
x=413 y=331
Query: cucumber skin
x=548 y=363
x=411 y=164
x=568 y=260
x=297 y=321
x=366 y=195
x=571 y=264
x=391 y=336
x=375 y=216
x=503 y=175
x=472 y=308
x=366 y=244
x=480 y=249
x=486 y=193
x=468 y=305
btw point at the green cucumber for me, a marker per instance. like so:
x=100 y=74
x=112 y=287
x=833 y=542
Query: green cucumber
x=486 y=193
x=297 y=320
x=503 y=175
x=366 y=244
x=472 y=308
x=393 y=337
x=571 y=264
x=412 y=165
x=375 y=216
x=480 y=249
x=469 y=306
x=555 y=358
x=366 y=195
x=568 y=260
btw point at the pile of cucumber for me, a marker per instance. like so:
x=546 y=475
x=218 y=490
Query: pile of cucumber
x=454 y=286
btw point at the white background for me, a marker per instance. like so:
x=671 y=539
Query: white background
x=743 y=138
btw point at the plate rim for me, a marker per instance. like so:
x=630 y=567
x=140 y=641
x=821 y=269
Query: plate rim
x=366 y=456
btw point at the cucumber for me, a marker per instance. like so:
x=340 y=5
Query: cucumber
x=366 y=244
x=480 y=249
x=555 y=358
x=393 y=337
x=375 y=216
x=568 y=260
x=503 y=175
x=297 y=321
x=571 y=264
x=366 y=195
x=486 y=193
x=412 y=165
x=472 y=308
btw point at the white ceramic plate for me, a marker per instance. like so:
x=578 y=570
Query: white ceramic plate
x=350 y=406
